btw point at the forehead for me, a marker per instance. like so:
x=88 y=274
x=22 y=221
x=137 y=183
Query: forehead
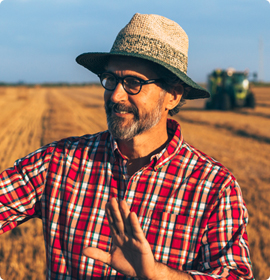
x=131 y=64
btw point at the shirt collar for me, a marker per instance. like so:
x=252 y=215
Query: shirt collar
x=115 y=149
x=173 y=147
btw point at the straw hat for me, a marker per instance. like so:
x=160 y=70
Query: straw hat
x=154 y=38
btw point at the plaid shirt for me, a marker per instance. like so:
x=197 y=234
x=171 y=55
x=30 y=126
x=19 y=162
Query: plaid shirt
x=190 y=207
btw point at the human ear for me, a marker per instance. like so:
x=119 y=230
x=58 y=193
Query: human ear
x=174 y=96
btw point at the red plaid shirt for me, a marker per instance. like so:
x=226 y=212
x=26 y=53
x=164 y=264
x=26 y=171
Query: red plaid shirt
x=190 y=207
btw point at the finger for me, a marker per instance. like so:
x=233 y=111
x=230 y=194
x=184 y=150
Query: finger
x=124 y=209
x=115 y=213
x=136 y=227
x=111 y=220
x=97 y=254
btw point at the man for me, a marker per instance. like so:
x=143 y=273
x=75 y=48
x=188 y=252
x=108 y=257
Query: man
x=136 y=200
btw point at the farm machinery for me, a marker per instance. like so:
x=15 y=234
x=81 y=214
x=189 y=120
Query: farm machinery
x=229 y=89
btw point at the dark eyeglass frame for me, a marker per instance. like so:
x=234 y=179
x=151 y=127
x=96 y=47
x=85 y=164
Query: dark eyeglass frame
x=122 y=79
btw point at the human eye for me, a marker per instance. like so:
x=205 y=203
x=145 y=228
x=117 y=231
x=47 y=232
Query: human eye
x=132 y=82
x=108 y=80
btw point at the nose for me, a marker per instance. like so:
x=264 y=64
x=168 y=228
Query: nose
x=119 y=94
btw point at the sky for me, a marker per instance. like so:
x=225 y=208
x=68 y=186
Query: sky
x=40 y=39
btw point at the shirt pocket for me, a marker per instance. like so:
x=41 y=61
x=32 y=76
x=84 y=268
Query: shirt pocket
x=172 y=237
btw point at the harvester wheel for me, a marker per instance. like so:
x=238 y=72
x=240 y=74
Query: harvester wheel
x=225 y=102
x=250 y=101
x=208 y=105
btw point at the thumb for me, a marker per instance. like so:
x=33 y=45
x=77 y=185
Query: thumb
x=97 y=254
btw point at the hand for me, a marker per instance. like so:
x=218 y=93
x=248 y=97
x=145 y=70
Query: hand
x=131 y=253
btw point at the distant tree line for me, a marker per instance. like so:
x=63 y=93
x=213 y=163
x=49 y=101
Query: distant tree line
x=60 y=84
x=65 y=84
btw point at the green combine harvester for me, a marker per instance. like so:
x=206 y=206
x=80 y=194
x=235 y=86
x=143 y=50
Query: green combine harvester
x=229 y=89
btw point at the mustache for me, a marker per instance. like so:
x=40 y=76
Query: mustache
x=118 y=107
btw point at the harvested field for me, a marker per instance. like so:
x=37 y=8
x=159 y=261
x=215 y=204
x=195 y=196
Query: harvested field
x=31 y=117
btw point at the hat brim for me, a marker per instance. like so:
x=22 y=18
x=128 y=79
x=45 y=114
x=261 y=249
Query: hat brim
x=97 y=61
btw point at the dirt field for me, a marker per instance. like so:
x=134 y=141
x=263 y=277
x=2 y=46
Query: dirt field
x=31 y=117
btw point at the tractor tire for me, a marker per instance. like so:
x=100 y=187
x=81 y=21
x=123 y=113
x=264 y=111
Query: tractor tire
x=225 y=102
x=250 y=100
x=208 y=105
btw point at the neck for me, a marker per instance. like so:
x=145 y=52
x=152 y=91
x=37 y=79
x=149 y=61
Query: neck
x=142 y=147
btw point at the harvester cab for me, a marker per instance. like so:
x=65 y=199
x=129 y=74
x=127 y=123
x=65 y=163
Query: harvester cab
x=229 y=89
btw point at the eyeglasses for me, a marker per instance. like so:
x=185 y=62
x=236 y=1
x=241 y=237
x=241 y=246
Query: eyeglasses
x=132 y=85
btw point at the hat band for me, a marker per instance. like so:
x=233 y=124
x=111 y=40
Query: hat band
x=152 y=48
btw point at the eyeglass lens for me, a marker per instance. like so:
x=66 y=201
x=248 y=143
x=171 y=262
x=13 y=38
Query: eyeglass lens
x=131 y=84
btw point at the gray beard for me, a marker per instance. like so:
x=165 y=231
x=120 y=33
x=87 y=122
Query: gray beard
x=135 y=126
